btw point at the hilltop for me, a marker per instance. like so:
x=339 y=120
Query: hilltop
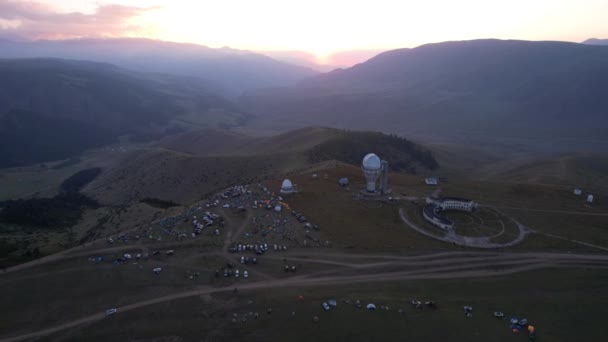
x=184 y=167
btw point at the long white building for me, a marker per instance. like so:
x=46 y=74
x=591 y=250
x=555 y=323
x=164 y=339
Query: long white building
x=432 y=211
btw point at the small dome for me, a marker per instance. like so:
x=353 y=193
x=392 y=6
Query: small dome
x=287 y=185
x=371 y=162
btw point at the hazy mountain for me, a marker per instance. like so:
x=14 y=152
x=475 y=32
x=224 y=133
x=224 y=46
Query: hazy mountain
x=486 y=90
x=351 y=57
x=337 y=60
x=51 y=108
x=233 y=70
x=595 y=41
x=300 y=58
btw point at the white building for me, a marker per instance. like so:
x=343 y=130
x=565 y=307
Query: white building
x=431 y=181
x=432 y=211
x=372 y=168
x=454 y=203
x=287 y=187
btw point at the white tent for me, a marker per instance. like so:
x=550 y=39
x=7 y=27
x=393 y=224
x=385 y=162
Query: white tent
x=371 y=306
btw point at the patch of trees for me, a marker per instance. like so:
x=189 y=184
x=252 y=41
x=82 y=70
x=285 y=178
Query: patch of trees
x=78 y=180
x=26 y=137
x=350 y=147
x=159 y=203
x=63 y=210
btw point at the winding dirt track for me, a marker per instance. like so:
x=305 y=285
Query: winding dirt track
x=349 y=268
x=433 y=266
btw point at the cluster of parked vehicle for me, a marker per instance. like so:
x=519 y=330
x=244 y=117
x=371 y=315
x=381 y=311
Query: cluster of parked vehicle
x=247 y=260
x=208 y=219
x=259 y=249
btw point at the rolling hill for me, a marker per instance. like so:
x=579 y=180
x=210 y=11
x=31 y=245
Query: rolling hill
x=477 y=91
x=587 y=171
x=184 y=167
x=89 y=104
x=232 y=71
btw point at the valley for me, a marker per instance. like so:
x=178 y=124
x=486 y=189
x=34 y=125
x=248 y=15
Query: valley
x=175 y=192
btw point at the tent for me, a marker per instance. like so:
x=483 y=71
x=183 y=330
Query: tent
x=371 y=306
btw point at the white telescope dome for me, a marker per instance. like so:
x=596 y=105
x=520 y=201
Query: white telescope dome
x=287 y=185
x=371 y=162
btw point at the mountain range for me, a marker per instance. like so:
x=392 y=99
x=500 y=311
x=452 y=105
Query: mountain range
x=52 y=108
x=338 y=60
x=511 y=94
x=231 y=70
x=483 y=89
x=596 y=41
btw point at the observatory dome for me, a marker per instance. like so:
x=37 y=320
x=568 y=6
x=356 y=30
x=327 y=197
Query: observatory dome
x=286 y=186
x=371 y=162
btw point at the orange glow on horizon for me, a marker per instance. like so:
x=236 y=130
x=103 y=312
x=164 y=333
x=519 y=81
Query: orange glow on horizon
x=319 y=27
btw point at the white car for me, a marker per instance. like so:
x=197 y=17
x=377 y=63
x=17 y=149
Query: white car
x=236 y=273
x=325 y=306
x=111 y=311
x=245 y=274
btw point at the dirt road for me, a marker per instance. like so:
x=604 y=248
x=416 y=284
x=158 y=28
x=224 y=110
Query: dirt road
x=442 y=266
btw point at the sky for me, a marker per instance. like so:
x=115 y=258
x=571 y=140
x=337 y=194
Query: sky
x=319 y=27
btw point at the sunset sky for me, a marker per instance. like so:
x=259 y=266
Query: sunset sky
x=320 y=27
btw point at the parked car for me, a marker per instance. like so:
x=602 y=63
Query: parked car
x=111 y=311
x=325 y=306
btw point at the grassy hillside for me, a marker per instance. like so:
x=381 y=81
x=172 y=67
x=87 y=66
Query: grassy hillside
x=189 y=165
x=213 y=142
x=589 y=172
x=178 y=177
x=90 y=104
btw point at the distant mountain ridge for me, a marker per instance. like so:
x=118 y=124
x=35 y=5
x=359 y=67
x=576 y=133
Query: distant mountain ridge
x=491 y=89
x=232 y=70
x=53 y=108
x=596 y=41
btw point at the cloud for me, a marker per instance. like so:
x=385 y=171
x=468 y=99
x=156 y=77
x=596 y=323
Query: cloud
x=34 y=20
